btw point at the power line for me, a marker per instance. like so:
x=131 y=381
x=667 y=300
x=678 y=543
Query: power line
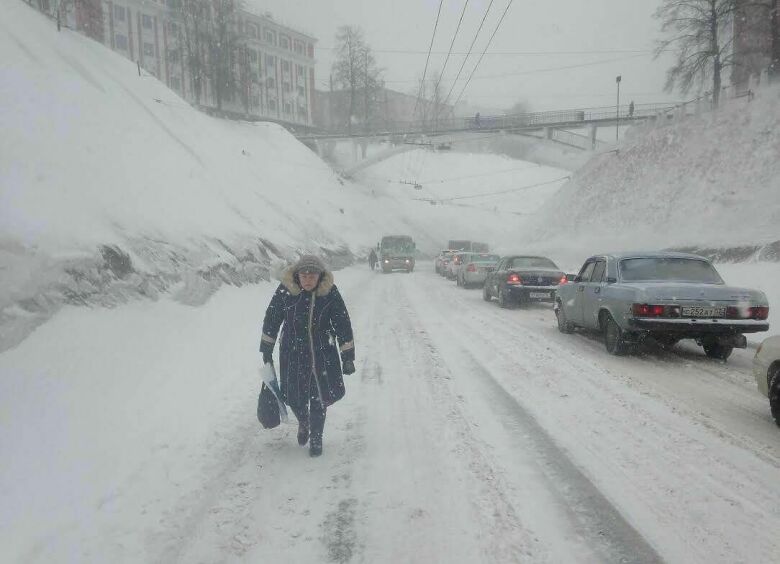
x=425 y=71
x=466 y=58
x=449 y=52
x=508 y=53
x=498 y=25
x=517 y=189
x=494 y=173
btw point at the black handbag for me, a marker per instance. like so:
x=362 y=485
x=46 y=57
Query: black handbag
x=267 y=408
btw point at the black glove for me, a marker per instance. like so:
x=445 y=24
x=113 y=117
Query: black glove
x=268 y=358
x=348 y=367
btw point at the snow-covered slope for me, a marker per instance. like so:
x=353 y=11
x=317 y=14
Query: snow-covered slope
x=708 y=180
x=111 y=185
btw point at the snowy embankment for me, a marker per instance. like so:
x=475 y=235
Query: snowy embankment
x=112 y=186
x=705 y=183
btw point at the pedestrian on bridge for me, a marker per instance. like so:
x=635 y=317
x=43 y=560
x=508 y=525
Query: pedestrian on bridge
x=631 y=109
x=316 y=331
x=372 y=259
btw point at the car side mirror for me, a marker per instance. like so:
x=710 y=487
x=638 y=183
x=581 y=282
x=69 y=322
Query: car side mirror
x=611 y=280
x=577 y=279
x=571 y=278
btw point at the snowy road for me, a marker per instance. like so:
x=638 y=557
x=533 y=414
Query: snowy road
x=468 y=434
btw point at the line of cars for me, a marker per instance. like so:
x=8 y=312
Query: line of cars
x=630 y=298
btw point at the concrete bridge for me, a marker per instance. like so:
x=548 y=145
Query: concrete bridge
x=554 y=125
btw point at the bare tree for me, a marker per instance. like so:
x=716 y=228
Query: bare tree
x=697 y=31
x=223 y=50
x=430 y=105
x=355 y=70
x=194 y=16
x=89 y=16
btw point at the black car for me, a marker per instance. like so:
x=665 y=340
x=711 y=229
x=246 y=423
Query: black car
x=520 y=279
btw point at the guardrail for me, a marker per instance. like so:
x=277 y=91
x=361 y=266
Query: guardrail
x=532 y=120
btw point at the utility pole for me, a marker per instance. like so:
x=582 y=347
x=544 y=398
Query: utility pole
x=365 y=93
x=330 y=104
x=618 y=78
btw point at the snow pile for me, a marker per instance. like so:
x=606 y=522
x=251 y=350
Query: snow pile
x=112 y=186
x=707 y=180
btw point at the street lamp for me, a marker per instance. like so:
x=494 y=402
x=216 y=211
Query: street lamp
x=618 y=78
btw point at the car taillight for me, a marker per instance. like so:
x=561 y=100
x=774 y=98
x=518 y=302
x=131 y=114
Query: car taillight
x=562 y=281
x=759 y=312
x=648 y=310
x=514 y=279
x=471 y=268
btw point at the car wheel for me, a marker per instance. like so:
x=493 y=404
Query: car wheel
x=503 y=299
x=716 y=350
x=486 y=293
x=614 y=339
x=564 y=326
x=774 y=393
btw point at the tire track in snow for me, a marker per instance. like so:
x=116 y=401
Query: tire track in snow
x=687 y=482
x=598 y=520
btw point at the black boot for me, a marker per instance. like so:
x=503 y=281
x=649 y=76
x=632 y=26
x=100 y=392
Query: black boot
x=303 y=432
x=315 y=445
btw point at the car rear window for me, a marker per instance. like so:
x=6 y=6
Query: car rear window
x=484 y=258
x=532 y=262
x=669 y=269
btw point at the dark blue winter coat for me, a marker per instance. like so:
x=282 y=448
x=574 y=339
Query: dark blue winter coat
x=315 y=329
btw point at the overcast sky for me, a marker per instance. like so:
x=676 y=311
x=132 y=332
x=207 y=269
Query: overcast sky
x=549 y=53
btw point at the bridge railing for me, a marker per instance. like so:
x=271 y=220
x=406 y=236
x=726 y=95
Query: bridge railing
x=510 y=121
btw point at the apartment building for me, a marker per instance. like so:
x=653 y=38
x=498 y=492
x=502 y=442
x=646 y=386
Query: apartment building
x=274 y=63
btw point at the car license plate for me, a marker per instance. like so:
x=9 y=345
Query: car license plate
x=539 y=295
x=696 y=311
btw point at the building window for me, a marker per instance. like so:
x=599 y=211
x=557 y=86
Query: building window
x=287 y=108
x=253 y=55
x=146 y=21
x=270 y=37
x=120 y=41
x=272 y=105
x=284 y=42
x=148 y=49
x=270 y=82
x=300 y=70
x=251 y=30
x=174 y=55
x=255 y=77
x=255 y=101
x=175 y=83
x=299 y=47
x=301 y=91
x=285 y=65
x=286 y=87
x=173 y=28
x=270 y=61
x=119 y=13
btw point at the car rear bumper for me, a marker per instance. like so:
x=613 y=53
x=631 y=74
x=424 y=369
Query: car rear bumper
x=474 y=277
x=533 y=293
x=700 y=327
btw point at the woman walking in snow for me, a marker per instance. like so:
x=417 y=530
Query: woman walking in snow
x=312 y=315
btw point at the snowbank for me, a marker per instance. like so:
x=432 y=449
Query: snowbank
x=111 y=186
x=707 y=180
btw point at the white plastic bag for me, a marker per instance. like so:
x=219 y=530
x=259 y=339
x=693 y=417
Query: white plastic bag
x=268 y=375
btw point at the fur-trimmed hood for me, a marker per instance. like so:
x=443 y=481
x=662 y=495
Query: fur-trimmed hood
x=290 y=282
